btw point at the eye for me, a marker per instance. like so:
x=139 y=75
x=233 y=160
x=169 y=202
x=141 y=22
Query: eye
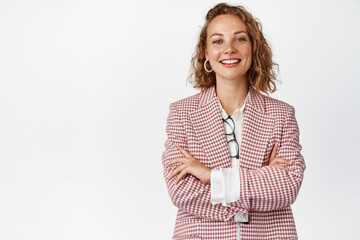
x=240 y=39
x=217 y=41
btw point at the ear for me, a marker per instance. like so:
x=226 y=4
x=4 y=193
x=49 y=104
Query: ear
x=206 y=55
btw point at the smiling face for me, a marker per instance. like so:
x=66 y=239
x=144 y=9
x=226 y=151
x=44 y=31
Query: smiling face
x=228 y=48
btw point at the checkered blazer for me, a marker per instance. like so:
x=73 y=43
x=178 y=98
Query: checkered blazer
x=266 y=192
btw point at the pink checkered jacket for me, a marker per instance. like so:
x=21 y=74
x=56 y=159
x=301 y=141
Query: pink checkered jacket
x=266 y=192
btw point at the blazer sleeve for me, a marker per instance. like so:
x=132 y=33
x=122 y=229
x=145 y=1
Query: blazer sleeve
x=270 y=188
x=190 y=194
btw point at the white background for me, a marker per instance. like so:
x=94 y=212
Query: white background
x=85 y=88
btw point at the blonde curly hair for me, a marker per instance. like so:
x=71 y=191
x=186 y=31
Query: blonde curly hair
x=261 y=74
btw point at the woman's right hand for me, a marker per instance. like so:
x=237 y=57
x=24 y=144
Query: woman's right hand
x=276 y=162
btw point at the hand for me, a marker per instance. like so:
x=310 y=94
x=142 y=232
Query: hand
x=277 y=161
x=189 y=166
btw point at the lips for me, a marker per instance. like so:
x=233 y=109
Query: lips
x=230 y=62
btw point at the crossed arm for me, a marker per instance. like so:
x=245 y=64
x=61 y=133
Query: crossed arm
x=264 y=189
x=189 y=193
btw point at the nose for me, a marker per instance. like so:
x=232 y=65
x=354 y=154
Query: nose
x=229 y=48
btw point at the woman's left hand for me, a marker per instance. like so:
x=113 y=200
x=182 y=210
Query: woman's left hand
x=189 y=166
x=281 y=163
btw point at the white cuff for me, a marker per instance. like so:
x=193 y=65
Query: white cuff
x=241 y=217
x=225 y=185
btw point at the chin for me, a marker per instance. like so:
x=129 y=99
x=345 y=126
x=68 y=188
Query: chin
x=231 y=77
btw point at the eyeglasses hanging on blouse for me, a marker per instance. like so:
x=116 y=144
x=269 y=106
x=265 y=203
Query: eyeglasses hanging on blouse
x=230 y=131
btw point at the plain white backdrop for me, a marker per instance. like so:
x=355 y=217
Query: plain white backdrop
x=85 y=89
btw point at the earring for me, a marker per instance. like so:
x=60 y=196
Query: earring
x=205 y=66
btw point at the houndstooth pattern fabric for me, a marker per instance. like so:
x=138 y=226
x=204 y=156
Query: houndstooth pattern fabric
x=266 y=192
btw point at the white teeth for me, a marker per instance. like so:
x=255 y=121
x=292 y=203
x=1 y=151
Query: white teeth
x=230 y=61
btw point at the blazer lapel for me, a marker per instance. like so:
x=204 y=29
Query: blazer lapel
x=257 y=131
x=208 y=126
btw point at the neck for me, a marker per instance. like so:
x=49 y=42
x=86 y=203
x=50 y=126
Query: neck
x=231 y=94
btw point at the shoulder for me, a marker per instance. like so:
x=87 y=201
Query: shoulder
x=276 y=107
x=187 y=104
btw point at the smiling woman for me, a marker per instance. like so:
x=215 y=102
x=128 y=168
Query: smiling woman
x=232 y=160
x=262 y=74
x=227 y=33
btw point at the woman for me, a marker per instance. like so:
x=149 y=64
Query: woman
x=232 y=160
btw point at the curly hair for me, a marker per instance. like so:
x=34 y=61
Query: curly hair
x=261 y=74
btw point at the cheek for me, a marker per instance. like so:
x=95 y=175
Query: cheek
x=248 y=54
x=213 y=52
x=248 y=51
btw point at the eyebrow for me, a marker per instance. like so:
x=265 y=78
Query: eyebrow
x=223 y=35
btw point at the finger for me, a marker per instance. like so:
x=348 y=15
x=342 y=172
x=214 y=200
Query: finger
x=273 y=152
x=284 y=161
x=176 y=160
x=279 y=166
x=273 y=162
x=181 y=175
x=184 y=151
x=280 y=161
x=288 y=162
x=177 y=170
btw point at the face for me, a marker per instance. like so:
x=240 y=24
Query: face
x=228 y=48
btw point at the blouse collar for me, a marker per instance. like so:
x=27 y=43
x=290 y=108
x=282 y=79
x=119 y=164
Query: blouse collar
x=237 y=112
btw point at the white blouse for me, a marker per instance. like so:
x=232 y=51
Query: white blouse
x=225 y=182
